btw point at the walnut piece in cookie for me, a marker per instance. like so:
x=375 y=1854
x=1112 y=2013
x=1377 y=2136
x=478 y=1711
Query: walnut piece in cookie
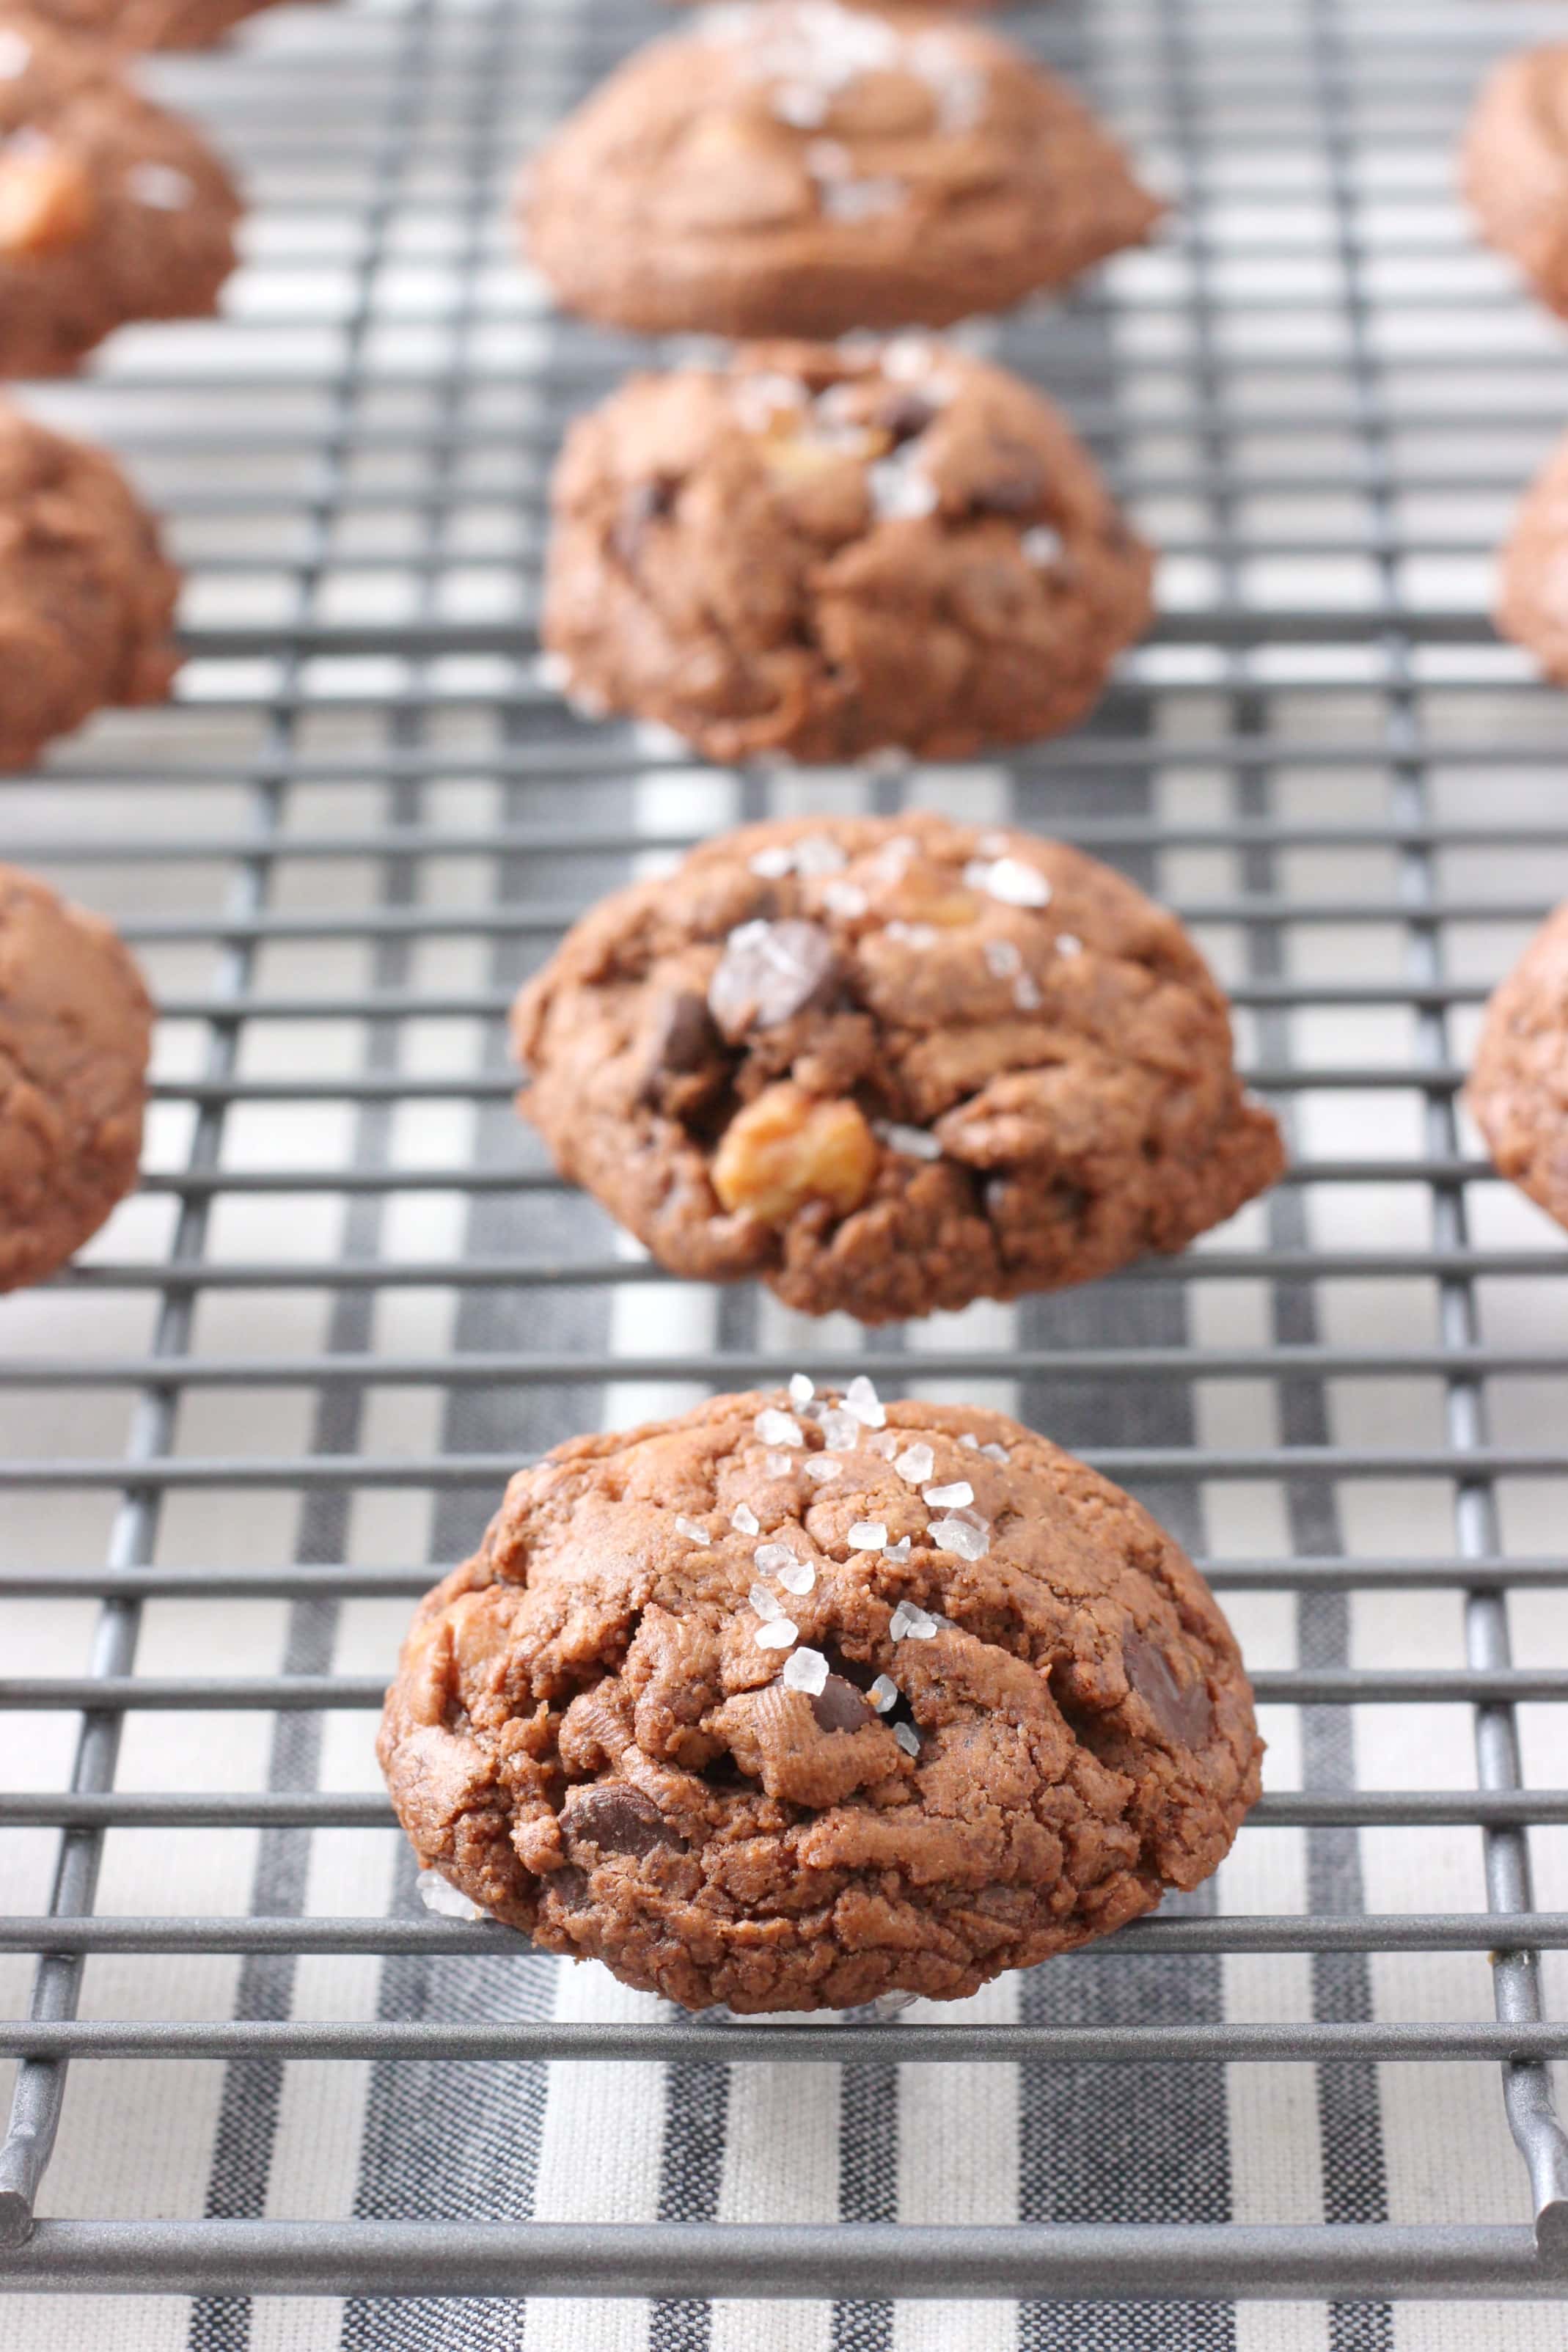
x=74 y=1031
x=804 y=168
x=1514 y=167
x=785 y=1741
x=828 y=552
x=1518 y=1093
x=151 y=23
x=1532 y=594
x=87 y=600
x=110 y=209
x=892 y=1066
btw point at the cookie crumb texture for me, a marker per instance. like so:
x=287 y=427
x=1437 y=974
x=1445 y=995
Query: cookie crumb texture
x=948 y=1765
x=152 y=24
x=1518 y=1093
x=826 y=553
x=892 y=1064
x=1515 y=167
x=75 y=1032
x=1532 y=596
x=806 y=168
x=87 y=600
x=111 y=210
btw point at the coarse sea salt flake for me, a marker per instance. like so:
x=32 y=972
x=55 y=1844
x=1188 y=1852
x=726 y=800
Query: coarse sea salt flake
x=772 y=864
x=908 y=1738
x=914 y=1142
x=1003 y=958
x=798 y=1577
x=1041 y=546
x=801 y=1389
x=1069 y=944
x=691 y=1529
x=882 y=1442
x=994 y=1453
x=1018 y=884
x=962 y=1539
x=971 y=1440
x=846 y=900
x=915 y=1465
x=950 y=1499
x=775 y=1428
x=16 y=55
x=897 y=1553
x=911 y=1624
x=160 y=187
x=868 y=1534
x=912 y=935
x=777 y=1466
x=860 y=1398
x=818 y=853
x=1026 y=994
x=778 y=1633
x=883 y=1694
x=822 y=1467
x=840 y=1430
x=744 y=1520
x=765 y=1605
x=770 y=1557
x=806 y=1671
x=801 y=106
x=448 y=1901
x=901 y=492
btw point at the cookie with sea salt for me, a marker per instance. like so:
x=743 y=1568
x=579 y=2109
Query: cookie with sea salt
x=804 y=168
x=1533 y=584
x=75 y=1030
x=1514 y=167
x=799 y=1703
x=892 y=1064
x=152 y=24
x=1518 y=1093
x=824 y=552
x=110 y=209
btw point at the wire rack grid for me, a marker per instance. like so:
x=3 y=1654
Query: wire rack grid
x=350 y=1297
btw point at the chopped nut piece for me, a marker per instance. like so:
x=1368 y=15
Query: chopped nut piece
x=786 y=1149
x=46 y=200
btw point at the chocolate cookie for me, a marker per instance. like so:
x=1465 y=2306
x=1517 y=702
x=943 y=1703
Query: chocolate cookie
x=152 y=24
x=110 y=209
x=824 y=553
x=802 y=168
x=1515 y=167
x=1532 y=596
x=75 y=1030
x=794 y=1703
x=892 y=1065
x=1518 y=1093
x=87 y=600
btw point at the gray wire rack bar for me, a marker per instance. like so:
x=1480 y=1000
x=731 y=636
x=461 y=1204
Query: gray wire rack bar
x=332 y=671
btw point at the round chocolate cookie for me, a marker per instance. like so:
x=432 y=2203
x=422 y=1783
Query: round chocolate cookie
x=802 y=168
x=152 y=24
x=825 y=554
x=1518 y=1093
x=892 y=1064
x=794 y=1703
x=74 y=1031
x=110 y=209
x=1515 y=167
x=87 y=600
x=1532 y=595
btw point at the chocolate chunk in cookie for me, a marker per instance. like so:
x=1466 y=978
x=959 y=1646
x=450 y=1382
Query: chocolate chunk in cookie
x=933 y=1701
x=151 y=23
x=1515 y=167
x=802 y=168
x=850 y=550
x=87 y=600
x=75 y=1030
x=110 y=209
x=945 y=1063
x=1518 y=1093
x=1532 y=597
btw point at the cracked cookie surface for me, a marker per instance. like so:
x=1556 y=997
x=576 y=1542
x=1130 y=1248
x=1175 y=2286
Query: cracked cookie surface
x=808 y=169
x=799 y=1702
x=87 y=600
x=891 y=1065
x=824 y=553
x=110 y=209
x=75 y=1030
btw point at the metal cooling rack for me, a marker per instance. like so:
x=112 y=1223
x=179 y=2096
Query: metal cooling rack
x=365 y=820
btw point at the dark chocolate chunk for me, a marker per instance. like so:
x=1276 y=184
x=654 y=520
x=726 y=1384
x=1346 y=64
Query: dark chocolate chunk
x=644 y=503
x=1185 y=1716
x=768 y=972
x=685 y=1039
x=617 y=1820
x=839 y=1707
x=905 y=414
